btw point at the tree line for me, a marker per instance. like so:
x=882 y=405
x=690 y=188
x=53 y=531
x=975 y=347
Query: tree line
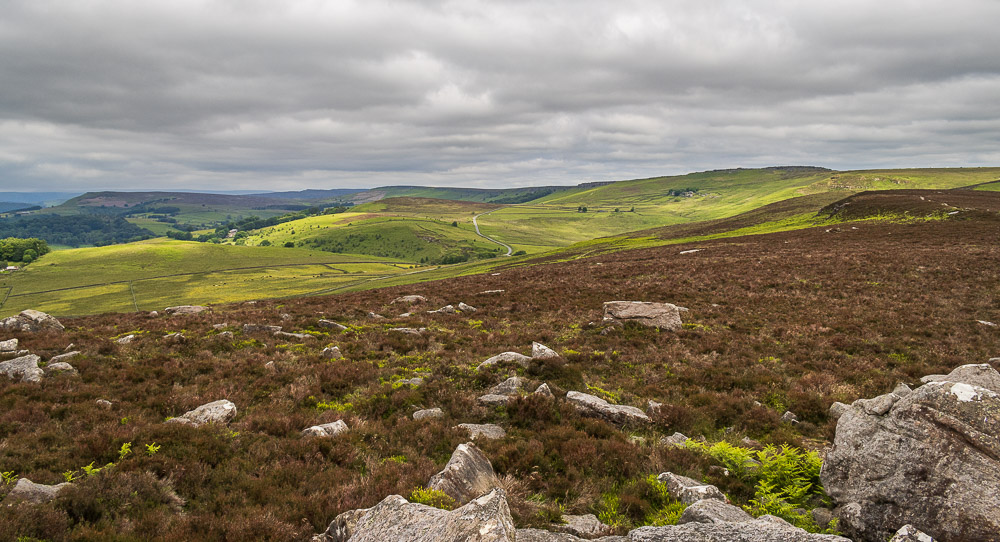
x=13 y=249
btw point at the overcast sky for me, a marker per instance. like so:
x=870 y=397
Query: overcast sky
x=269 y=94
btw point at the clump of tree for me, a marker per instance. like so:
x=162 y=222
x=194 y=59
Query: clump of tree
x=74 y=230
x=13 y=249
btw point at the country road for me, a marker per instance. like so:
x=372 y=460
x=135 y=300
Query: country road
x=488 y=238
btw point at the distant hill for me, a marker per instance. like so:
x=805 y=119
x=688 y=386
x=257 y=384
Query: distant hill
x=332 y=193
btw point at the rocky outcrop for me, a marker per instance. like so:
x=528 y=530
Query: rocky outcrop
x=930 y=458
x=662 y=315
x=24 y=368
x=185 y=309
x=909 y=533
x=326 y=430
x=541 y=352
x=10 y=345
x=688 y=490
x=221 y=411
x=485 y=519
x=595 y=406
x=31 y=321
x=27 y=491
x=506 y=357
x=486 y=430
x=467 y=475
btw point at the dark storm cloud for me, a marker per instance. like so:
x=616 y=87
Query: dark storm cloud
x=232 y=94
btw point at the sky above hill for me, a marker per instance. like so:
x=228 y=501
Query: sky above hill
x=255 y=94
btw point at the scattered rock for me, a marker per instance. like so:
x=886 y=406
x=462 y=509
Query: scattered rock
x=69 y=347
x=185 y=309
x=63 y=357
x=175 y=337
x=595 y=406
x=586 y=526
x=227 y=335
x=406 y=315
x=691 y=251
x=415 y=381
x=789 y=417
x=748 y=442
x=447 y=309
x=512 y=386
x=492 y=291
x=487 y=430
x=153 y=314
x=428 y=413
x=31 y=321
x=25 y=367
x=270 y=366
x=932 y=460
x=409 y=330
x=10 y=345
x=258 y=328
x=485 y=519
x=220 y=326
x=332 y=325
x=326 y=430
x=988 y=324
x=713 y=511
x=677 y=439
x=976 y=374
x=662 y=315
x=506 y=357
x=544 y=391
x=298 y=336
x=28 y=491
x=221 y=411
x=375 y=316
x=128 y=339
x=60 y=367
x=491 y=400
x=653 y=408
x=411 y=299
x=103 y=403
x=332 y=352
x=467 y=475
x=541 y=352
x=688 y=490
x=466 y=308
x=909 y=533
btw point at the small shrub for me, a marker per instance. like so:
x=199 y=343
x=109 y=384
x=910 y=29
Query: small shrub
x=433 y=497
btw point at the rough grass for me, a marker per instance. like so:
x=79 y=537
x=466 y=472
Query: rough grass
x=791 y=320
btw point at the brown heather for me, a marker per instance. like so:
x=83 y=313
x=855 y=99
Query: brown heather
x=794 y=321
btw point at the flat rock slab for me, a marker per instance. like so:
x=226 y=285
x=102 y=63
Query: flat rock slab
x=411 y=299
x=31 y=321
x=24 y=368
x=586 y=526
x=326 y=430
x=485 y=519
x=221 y=411
x=467 y=475
x=662 y=315
x=486 y=430
x=493 y=400
x=428 y=414
x=930 y=460
x=763 y=529
x=27 y=491
x=713 y=511
x=595 y=406
x=185 y=309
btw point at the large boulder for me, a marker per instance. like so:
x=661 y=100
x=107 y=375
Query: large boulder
x=661 y=315
x=506 y=357
x=541 y=352
x=595 y=406
x=713 y=511
x=485 y=519
x=467 y=475
x=27 y=491
x=185 y=309
x=31 y=321
x=24 y=368
x=931 y=459
x=976 y=374
x=762 y=529
x=221 y=411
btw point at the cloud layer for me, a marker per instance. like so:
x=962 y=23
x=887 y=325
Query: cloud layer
x=233 y=94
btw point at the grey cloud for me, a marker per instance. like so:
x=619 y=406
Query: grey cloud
x=118 y=94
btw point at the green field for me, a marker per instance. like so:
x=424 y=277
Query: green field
x=154 y=274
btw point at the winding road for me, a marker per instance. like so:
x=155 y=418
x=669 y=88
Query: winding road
x=487 y=237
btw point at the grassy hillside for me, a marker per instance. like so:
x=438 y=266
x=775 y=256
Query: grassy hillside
x=786 y=321
x=151 y=275
x=481 y=195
